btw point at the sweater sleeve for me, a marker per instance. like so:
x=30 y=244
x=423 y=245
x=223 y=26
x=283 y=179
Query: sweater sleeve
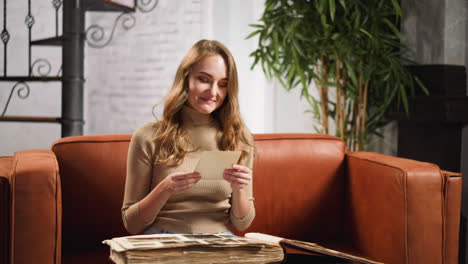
x=138 y=180
x=243 y=223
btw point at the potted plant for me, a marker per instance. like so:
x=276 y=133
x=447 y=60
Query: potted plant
x=351 y=50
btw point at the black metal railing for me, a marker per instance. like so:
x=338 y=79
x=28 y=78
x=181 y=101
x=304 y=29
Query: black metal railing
x=5 y=36
x=41 y=69
x=57 y=4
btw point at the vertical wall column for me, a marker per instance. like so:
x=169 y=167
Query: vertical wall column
x=73 y=69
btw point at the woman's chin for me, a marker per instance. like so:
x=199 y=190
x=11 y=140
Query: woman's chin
x=206 y=109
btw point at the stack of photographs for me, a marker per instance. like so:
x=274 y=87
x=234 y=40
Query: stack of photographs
x=192 y=248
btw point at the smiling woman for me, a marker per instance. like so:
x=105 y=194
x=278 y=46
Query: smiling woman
x=207 y=84
x=201 y=113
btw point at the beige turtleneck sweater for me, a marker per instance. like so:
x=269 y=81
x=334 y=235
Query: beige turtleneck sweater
x=205 y=208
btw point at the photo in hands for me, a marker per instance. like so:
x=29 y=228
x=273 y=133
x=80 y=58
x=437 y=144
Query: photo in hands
x=212 y=164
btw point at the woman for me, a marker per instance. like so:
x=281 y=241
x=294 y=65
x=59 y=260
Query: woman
x=201 y=113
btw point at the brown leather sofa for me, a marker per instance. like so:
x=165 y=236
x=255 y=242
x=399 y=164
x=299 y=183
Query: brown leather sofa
x=58 y=205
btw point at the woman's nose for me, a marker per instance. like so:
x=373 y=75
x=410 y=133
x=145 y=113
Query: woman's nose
x=213 y=89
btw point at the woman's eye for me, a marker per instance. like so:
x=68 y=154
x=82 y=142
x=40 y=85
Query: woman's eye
x=223 y=84
x=203 y=80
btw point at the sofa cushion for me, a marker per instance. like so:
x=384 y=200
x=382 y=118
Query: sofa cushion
x=298 y=186
x=92 y=171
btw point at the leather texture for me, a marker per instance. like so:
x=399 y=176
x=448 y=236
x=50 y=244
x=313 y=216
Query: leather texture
x=305 y=187
x=452 y=205
x=396 y=208
x=302 y=175
x=92 y=170
x=5 y=207
x=36 y=208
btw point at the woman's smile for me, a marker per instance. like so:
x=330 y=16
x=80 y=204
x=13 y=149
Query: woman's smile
x=208 y=100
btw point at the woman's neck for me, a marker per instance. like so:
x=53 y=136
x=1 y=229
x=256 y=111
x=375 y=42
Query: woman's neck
x=192 y=117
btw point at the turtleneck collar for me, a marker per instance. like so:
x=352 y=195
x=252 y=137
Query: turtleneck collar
x=192 y=117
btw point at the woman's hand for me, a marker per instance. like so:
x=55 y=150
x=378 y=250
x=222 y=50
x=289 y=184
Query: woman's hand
x=172 y=184
x=239 y=177
x=179 y=182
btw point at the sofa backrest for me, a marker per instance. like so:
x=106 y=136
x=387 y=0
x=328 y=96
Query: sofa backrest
x=92 y=173
x=298 y=186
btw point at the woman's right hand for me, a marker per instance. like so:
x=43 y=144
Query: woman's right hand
x=179 y=182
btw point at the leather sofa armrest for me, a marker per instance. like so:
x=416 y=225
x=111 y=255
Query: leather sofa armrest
x=5 y=208
x=452 y=203
x=36 y=207
x=396 y=208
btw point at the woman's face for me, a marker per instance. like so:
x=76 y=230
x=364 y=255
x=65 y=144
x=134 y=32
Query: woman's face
x=207 y=84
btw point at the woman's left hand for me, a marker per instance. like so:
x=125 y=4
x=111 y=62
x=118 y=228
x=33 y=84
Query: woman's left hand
x=238 y=176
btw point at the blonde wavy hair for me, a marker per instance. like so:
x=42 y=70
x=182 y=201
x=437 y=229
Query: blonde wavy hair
x=172 y=138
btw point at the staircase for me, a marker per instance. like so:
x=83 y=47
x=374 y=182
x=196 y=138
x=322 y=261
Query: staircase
x=72 y=42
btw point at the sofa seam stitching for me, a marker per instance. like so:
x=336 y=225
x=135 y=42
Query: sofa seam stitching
x=445 y=203
x=13 y=203
x=56 y=208
x=87 y=141
x=405 y=175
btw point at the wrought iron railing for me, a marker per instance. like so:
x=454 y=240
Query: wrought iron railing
x=41 y=69
x=41 y=65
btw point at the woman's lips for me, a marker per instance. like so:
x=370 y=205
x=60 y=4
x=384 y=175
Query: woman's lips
x=208 y=100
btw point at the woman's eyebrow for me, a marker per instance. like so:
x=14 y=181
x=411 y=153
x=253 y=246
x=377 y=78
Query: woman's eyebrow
x=205 y=73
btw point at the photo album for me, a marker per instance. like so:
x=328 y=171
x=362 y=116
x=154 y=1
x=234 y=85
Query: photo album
x=213 y=248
